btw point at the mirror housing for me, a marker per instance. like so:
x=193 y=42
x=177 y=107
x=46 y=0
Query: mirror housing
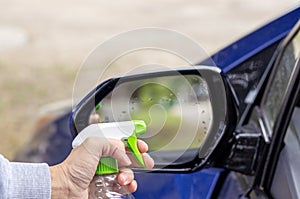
x=175 y=155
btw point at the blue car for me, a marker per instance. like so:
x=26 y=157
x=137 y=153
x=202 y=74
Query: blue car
x=247 y=144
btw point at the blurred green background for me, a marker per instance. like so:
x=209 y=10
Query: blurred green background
x=43 y=43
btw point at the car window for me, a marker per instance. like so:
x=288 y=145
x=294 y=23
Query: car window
x=286 y=183
x=273 y=99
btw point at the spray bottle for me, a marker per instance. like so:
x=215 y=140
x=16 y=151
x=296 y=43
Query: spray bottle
x=104 y=184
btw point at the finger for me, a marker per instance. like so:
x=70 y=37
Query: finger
x=94 y=118
x=149 y=162
x=132 y=187
x=119 y=152
x=121 y=157
x=106 y=147
x=125 y=177
x=142 y=146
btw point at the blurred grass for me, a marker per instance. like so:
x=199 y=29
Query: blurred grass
x=24 y=91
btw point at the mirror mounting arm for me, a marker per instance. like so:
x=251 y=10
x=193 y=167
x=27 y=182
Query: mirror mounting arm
x=246 y=146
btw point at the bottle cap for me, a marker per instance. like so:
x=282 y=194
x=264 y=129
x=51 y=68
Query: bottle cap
x=107 y=165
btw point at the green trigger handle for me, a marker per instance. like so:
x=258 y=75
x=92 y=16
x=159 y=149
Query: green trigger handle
x=140 y=128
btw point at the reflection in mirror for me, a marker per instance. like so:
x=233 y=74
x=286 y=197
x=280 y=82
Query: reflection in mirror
x=177 y=110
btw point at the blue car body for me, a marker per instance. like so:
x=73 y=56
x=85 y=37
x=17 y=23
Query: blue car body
x=205 y=183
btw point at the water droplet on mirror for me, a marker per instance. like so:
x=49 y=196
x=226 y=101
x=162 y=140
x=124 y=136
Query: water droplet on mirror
x=195 y=78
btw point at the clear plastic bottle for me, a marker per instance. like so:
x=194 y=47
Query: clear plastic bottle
x=105 y=184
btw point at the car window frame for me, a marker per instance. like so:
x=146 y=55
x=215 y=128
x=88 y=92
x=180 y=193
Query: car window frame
x=285 y=43
x=283 y=117
x=287 y=175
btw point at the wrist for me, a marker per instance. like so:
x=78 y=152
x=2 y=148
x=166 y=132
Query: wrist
x=59 y=187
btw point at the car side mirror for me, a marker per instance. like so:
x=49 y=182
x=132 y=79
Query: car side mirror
x=187 y=112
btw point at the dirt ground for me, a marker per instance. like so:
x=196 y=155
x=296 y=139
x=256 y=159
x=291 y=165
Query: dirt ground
x=42 y=44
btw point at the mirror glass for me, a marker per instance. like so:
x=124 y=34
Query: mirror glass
x=176 y=108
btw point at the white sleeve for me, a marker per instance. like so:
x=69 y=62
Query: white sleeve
x=24 y=180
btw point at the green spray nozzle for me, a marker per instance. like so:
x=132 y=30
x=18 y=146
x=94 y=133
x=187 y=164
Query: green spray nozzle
x=98 y=106
x=131 y=141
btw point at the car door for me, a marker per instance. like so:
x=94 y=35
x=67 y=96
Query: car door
x=279 y=176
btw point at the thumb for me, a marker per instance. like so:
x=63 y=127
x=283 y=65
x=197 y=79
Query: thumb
x=99 y=147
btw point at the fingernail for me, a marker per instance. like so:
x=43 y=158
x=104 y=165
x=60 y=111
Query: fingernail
x=123 y=179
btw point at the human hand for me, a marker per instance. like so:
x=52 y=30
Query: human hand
x=72 y=177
